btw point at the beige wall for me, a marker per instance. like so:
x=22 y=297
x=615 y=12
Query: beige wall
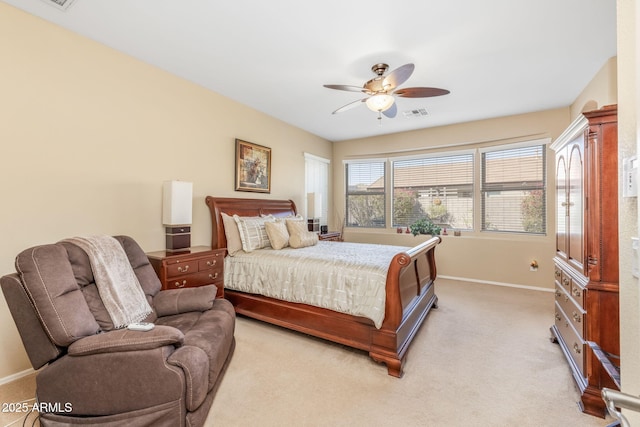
x=88 y=135
x=628 y=141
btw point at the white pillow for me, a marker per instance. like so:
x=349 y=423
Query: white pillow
x=231 y=232
x=278 y=234
x=253 y=233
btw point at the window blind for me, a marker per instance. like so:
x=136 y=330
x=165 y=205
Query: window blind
x=439 y=188
x=365 y=194
x=514 y=190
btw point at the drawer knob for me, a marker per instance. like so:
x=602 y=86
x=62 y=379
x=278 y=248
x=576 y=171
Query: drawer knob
x=183 y=269
x=211 y=263
x=558 y=273
x=577 y=348
x=566 y=298
x=213 y=276
x=181 y=285
x=576 y=317
x=565 y=281
x=558 y=294
x=576 y=292
x=558 y=317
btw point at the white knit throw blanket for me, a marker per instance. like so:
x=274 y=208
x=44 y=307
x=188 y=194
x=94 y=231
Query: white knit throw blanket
x=117 y=283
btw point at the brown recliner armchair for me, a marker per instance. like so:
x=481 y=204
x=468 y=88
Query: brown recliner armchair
x=99 y=375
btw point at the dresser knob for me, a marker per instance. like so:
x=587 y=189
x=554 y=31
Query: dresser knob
x=576 y=292
x=565 y=282
x=576 y=317
x=181 y=285
x=558 y=316
x=212 y=263
x=183 y=269
x=577 y=348
x=213 y=276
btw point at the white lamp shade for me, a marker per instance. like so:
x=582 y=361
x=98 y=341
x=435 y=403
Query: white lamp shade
x=314 y=205
x=177 y=200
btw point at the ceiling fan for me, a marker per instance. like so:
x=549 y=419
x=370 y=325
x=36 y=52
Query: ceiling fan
x=381 y=90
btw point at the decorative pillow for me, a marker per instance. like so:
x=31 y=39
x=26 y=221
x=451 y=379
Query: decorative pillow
x=253 y=233
x=234 y=243
x=296 y=226
x=302 y=240
x=278 y=234
x=299 y=236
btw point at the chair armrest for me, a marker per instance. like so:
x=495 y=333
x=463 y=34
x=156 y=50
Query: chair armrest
x=177 y=301
x=126 y=340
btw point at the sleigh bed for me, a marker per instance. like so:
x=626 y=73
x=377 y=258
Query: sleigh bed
x=408 y=296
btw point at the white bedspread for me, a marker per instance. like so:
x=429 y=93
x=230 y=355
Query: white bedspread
x=345 y=277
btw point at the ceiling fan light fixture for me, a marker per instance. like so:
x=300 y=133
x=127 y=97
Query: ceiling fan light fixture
x=380 y=102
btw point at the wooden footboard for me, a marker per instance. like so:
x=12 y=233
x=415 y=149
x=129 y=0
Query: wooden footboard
x=410 y=294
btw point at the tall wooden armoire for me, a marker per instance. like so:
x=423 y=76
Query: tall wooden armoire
x=586 y=260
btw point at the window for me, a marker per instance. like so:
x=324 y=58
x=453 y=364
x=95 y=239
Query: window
x=317 y=181
x=514 y=190
x=365 y=194
x=439 y=188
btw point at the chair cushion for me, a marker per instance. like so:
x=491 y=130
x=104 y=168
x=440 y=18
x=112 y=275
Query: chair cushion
x=176 y=301
x=49 y=279
x=211 y=330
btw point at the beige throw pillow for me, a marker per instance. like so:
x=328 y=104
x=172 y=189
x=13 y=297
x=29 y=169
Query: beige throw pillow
x=278 y=234
x=253 y=233
x=303 y=240
x=231 y=232
x=299 y=236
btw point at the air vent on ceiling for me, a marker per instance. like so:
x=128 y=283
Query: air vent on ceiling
x=59 y=4
x=420 y=112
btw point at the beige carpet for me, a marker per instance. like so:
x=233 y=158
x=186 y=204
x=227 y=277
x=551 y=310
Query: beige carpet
x=482 y=359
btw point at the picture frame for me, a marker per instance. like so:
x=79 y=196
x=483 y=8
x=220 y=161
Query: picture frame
x=253 y=167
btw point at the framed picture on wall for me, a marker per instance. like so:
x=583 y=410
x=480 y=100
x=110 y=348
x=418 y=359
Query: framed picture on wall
x=253 y=167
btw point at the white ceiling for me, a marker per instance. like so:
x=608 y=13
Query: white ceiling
x=497 y=57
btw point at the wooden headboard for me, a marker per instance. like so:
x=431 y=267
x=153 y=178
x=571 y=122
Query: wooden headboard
x=242 y=207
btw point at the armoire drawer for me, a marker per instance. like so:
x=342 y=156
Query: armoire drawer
x=573 y=311
x=573 y=341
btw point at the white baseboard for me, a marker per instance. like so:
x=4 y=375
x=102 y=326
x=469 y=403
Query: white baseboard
x=16 y=376
x=489 y=282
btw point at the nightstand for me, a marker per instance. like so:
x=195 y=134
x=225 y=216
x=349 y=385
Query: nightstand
x=334 y=236
x=196 y=266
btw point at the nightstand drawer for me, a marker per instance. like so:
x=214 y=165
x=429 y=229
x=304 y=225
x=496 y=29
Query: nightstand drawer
x=210 y=262
x=181 y=268
x=333 y=236
x=194 y=280
x=199 y=266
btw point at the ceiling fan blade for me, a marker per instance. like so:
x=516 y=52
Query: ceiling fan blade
x=350 y=105
x=398 y=76
x=391 y=111
x=420 y=92
x=346 y=87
